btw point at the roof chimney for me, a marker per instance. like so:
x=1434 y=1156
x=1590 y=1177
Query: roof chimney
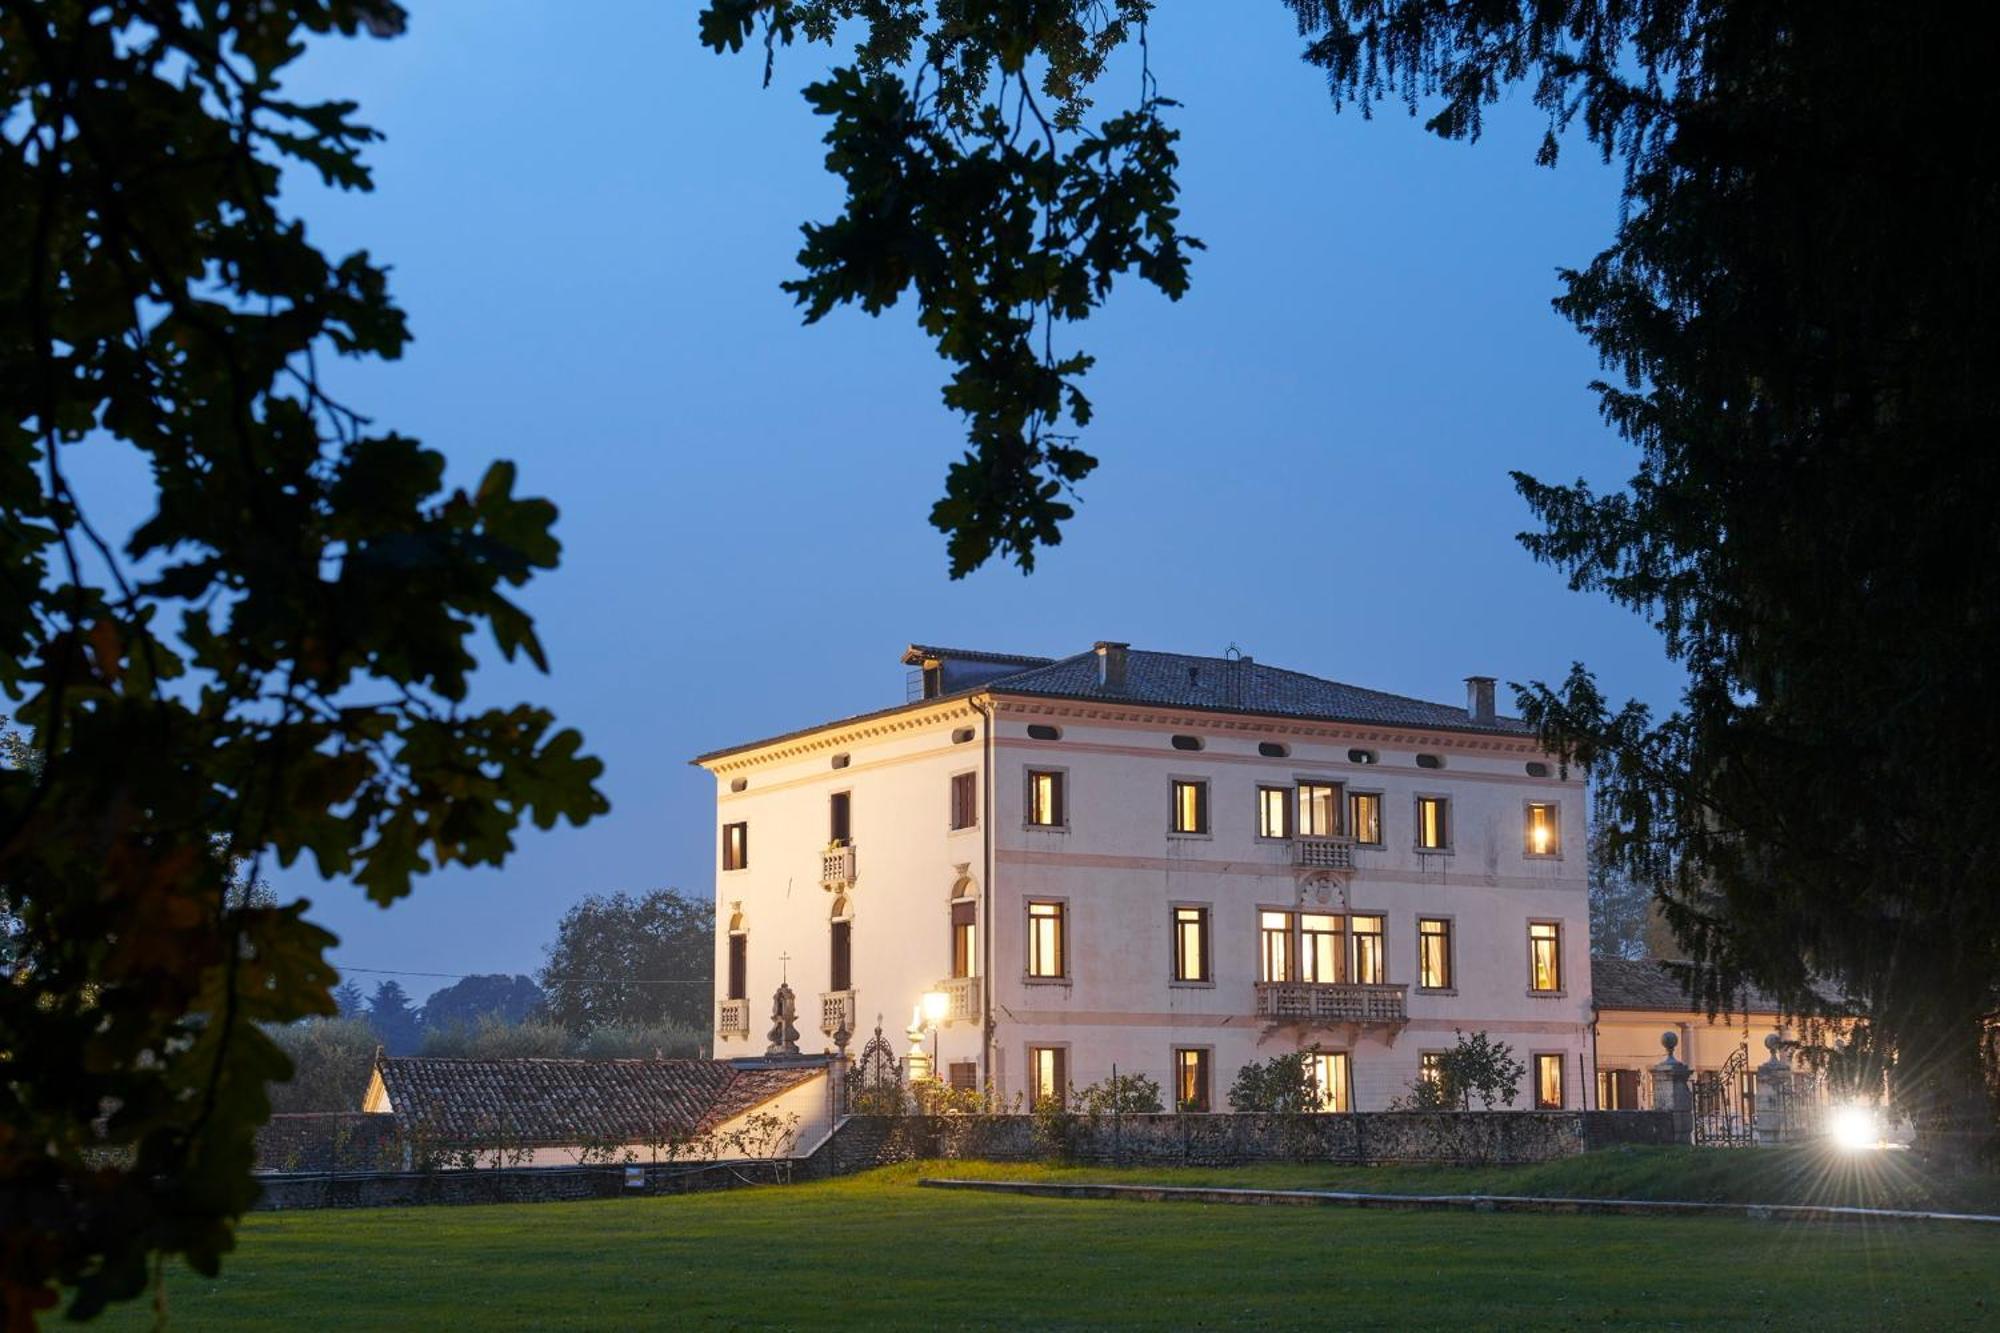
x=1479 y=699
x=1111 y=666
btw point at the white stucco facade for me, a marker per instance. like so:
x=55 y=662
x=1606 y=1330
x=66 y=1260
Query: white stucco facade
x=1113 y=870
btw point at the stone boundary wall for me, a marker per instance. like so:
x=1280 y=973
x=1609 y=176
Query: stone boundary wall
x=518 y=1184
x=329 y=1141
x=1363 y=1138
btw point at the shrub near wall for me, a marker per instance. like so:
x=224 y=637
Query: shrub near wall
x=1460 y=1137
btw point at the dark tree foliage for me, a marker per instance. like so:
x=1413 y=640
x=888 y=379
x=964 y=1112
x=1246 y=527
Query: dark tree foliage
x=273 y=664
x=1796 y=311
x=1621 y=904
x=348 y=1001
x=975 y=185
x=496 y=995
x=394 y=1019
x=620 y=961
x=331 y=1060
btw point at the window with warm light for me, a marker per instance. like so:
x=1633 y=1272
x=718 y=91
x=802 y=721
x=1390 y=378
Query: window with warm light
x=1190 y=800
x=1320 y=947
x=1434 y=823
x=1371 y=964
x=1046 y=946
x=1319 y=810
x=1430 y=1068
x=735 y=846
x=1191 y=1079
x=1045 y=798
x=1191 y=944
x=1545 y=956
x=1364 y=818
x=1328 y=1071
x=1434 y=953
x=1048 y=1075
x=964 y=800
x=1548 y=1082
x=1274 y=812
x=1047 y=949
x=964 y=938
x=1274 y=933
x=1618 y=1090
x=1544 y=833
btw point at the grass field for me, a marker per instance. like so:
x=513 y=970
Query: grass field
x=875 y=1251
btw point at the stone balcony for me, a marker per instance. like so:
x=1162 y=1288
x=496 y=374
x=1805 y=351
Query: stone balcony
x=836 y=1010
x=1332 y=1002
x=836 y=867
x=732 y=1018
x=963 y=996
x=1323 y=853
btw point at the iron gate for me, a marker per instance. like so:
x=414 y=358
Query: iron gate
x=1725 y=1103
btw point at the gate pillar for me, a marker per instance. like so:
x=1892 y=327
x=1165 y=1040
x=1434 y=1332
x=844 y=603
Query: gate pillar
x=1774 y=1095
x=1671 y=1091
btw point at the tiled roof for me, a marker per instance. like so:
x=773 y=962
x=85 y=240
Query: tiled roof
x=1184 y=681
x=556 y=1102
x=1648 y=983
x=917 y=652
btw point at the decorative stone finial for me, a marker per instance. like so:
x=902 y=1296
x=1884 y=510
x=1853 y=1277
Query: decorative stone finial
x=1771 y=1044
x=1670 y=1039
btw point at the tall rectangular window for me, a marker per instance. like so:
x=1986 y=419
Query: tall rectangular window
x=839 y=817
x=1048 y=1075
x=1190 y=806
x=1544 y=956
x=1548 y=1082
x=1364 y=818
x=735 y=846
x=1370 y=963
x=1319 y=810
x=1191 y=1079
x=1047 y=954
x=1434 y=953
x=1045 y=798
x=1430 y=1068
x=1543 y=836
x=1618 y=1090
x=964 y=800
x=1274 y=936
x=840 y=968
x=739 y=967
x=1191 y=944
x=1434 y=823
x=1274 y=812
x=1328 y=1070
x=1321 y=955
x=964 y=936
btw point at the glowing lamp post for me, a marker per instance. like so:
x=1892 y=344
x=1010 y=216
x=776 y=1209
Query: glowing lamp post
x=936 y=1004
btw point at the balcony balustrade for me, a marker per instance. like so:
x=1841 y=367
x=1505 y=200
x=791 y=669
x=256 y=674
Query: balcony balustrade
x=836 y=1010
x=1323 y=853
x=732 y=1018
x=963 y=999
x=1332 y=1002
x=836 y=866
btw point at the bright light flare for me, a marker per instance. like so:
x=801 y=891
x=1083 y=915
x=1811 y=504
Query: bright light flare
x=936 y=1004
x=1855 y=1128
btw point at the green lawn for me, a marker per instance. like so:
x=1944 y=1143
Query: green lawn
x=875 y=1251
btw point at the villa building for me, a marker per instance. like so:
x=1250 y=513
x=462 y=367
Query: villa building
x=1159 y=864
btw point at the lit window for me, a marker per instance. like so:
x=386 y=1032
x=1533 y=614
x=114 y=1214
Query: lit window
x=1328 y=1070
x=1274 y=812
x=964 y=800
x=1191 y=944
x=1319 y=810
x=735 y=846
x=1274 y=930
x=1045 y=940
x=1617 y=1089
x=1548 y=1082
x=1430 y=1068
x=1364 y=817
x=1191 y=1079
x=1320 y=951
x=1048 y=1075
x=1544 y=834
x=1370 y=965
x=964 y=936
x=1045 y=798
x=1190 y=806
x=1434 y=952
x=1544 y=956
x=1433 y=823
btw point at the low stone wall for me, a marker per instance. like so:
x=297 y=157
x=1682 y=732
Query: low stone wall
x=329 y=1141
x=540 y=1184
x=1367 y=1137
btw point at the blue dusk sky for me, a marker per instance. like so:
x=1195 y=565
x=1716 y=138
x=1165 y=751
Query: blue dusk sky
x=588 y=217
